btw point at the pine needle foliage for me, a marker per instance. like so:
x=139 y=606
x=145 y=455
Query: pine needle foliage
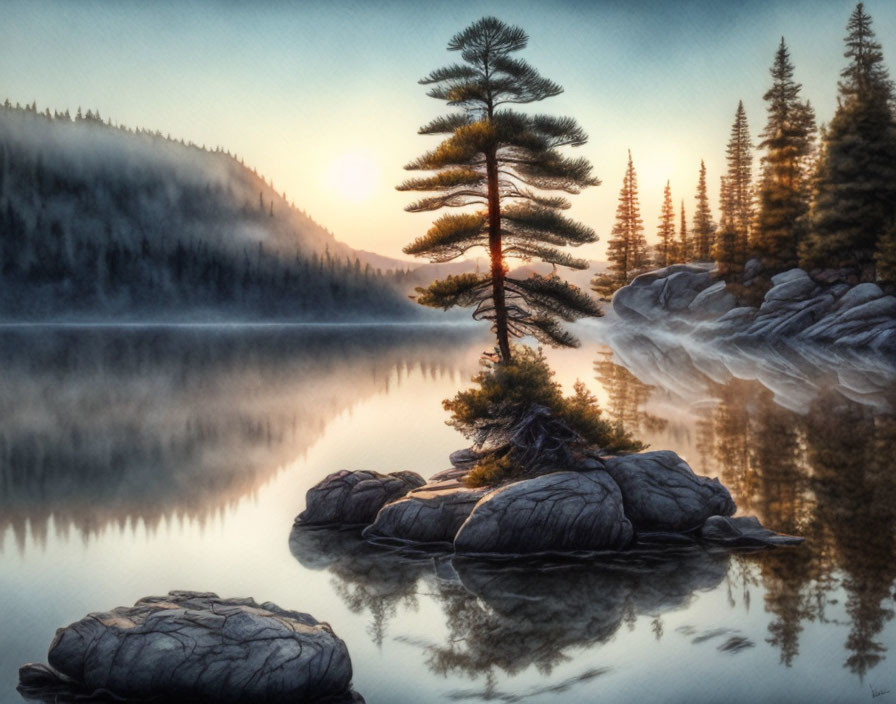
x=506 y=394
x=666 y=248
x=508 y=171
x=685 y=248
x=739 y=157
x=785 y=185
x=704 y=230
x=854 y=202
x=627 y=246
x=727 y=248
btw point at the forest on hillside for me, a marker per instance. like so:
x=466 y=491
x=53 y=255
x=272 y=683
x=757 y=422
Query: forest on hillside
x=99 y=221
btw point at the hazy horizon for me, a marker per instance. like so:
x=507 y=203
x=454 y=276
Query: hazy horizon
x=324 y=101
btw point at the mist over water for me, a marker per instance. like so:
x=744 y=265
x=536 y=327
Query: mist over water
x=139 y=460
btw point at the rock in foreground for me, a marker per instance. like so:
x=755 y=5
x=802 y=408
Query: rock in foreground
x=354 y=498
x=197 y=647
x=558 y=512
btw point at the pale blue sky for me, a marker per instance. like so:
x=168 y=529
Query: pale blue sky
x=296 y=88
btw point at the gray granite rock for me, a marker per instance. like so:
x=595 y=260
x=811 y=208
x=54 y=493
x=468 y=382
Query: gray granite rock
x=857 y=295
x=688 y=300
x=744 y=531
x=464 y=459
x=557 y=512
x=660 y=492
x=652 y=295
x=431 y=514
x=790 y=276
x=752 y=268
x=713 y=301
x=198 y=647
x=354 y=498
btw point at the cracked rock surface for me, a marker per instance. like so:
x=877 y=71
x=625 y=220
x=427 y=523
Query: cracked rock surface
x=660 y=492
x=354 y=498
x=431 y=514
x=198 y=647
x=558 y=512
x=830 y=309
x=610 y=504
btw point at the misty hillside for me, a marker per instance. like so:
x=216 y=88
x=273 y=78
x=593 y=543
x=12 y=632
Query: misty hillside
x=99 y=221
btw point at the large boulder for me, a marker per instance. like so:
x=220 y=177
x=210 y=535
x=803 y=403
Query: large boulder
x=354 y=498
x=558 y=512
x=660 y=492
x=652 y=295
x=430 y=514
x=192 y=646
x=713 y=301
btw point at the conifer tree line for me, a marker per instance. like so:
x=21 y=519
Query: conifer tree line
x=824 y=199
x=109 y=239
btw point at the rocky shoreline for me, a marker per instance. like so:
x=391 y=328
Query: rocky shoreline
x=823 y=310
x=607 y=504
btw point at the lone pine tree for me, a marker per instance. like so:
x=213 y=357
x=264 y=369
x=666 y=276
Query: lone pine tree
x=785 y=183
x=494 y=161
x=704 y=229
x=855 y=192
x=627 y=246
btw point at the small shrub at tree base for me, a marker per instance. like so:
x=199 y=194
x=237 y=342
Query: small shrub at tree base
x=520 y=402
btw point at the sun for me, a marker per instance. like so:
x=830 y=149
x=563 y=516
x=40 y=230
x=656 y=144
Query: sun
x=354 y=176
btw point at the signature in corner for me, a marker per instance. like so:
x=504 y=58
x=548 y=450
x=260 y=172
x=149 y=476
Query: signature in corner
x=875 y=693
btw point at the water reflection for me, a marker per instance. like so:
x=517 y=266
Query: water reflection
x=809 y=449
x=505 y=618
x=120 y=427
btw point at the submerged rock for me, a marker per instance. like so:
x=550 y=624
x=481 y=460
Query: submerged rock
x=744 y=531
x=430 y=514
x=193 y=646
x=558 y=512
x=354 y=498
x=660 y=492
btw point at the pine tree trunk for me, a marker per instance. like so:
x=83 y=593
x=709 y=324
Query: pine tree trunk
x=496 y=254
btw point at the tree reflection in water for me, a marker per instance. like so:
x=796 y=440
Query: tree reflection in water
x=809 y=449
x=117 y=427
x=507 y=617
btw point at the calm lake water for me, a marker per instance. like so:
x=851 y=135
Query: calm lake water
x=136 y=461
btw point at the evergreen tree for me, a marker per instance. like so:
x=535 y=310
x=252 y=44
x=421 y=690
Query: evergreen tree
x=627 y=246
x=684 y=243
x=855 y=192
x=492 y=159
x=666 y=248
x=704 y=229
x=739 y=181
x=784 y=191
x=727 y=246
x=886 y=256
